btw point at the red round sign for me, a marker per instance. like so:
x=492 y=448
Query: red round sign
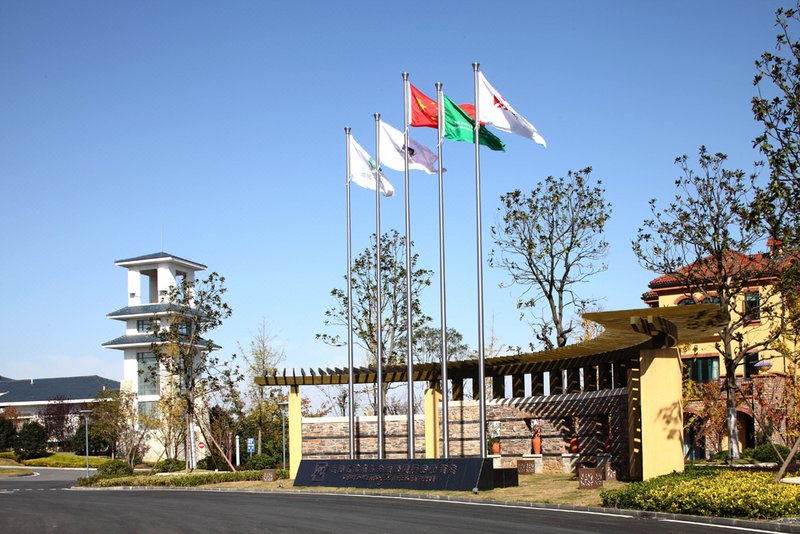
x=201 y=444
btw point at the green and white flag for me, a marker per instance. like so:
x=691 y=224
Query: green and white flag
x=458 y=126
x=362 y=170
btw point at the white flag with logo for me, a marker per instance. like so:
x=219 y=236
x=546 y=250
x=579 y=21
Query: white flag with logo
x=393 y=151
x=362 y=170
x=494 y=110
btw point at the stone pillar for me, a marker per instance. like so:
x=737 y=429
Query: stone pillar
x=295 y=431
x=431 y=409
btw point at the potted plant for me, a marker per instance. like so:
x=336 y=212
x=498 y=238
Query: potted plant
x=536 y=437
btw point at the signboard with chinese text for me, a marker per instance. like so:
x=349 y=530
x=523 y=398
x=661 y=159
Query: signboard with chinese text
x=456 y=474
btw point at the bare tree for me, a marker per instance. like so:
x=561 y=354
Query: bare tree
x=550 y=241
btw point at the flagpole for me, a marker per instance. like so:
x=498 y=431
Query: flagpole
x=442 y=292
x=409 y=323
x=350 y=374
x=481 y=355
x=378 y=315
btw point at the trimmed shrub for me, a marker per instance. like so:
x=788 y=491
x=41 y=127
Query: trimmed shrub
x=170 y=465
x=710 y=492
x=260 y=461
x=282 y=473
x=765 y=453
x=65 y=459
x=9 y=456
x=31 y=441
x=115 y=468
x=8 y=431
x=179 y=481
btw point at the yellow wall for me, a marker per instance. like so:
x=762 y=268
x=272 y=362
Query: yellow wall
x=432 y=400
x=295 y=431
x=752 y=332
x=661 y=412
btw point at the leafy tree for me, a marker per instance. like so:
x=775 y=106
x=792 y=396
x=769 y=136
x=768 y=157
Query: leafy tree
x=428 y=345
x=182 y=351
x=550 y=241
x=8 y=432
x=703 y=240
x=777 y=108
x=57 y=419
x=31 y=441
x=262 y=357
x=392 y=306
x=169 y=427
x=114 y=421
x=98 y=442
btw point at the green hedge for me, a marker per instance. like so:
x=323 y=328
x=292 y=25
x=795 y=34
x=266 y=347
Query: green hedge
x=66 y=459
x=176 y=481
x=710 y=492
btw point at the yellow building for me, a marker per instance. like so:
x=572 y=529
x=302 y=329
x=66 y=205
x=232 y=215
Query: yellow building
x=754 y=315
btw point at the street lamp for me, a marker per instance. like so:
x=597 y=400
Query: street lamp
x=85 y=414
x=284 y=413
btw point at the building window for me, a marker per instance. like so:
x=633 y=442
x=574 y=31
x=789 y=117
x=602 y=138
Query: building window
x=703 y=370
x=147 y=368
x=752 y=306
x=686 y=301
x=750 y=361
x=144 y=325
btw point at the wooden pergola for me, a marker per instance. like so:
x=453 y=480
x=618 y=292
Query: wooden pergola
x=625 y=332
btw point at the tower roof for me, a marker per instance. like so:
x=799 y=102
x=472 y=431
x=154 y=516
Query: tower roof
x=160 y=257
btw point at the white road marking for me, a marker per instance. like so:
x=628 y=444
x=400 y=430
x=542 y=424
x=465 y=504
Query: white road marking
x=730 y=527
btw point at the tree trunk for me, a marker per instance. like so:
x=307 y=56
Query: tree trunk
x=210 y=439
x=730 y=412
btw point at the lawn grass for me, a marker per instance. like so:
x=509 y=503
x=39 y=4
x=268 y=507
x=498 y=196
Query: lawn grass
x=66 y=459
x=557 y=488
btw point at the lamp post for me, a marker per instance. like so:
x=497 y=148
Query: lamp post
x=284 y=412
x=85 y=414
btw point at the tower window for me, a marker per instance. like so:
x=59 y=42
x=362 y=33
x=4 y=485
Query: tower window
x=144 y=325
x=147 y=368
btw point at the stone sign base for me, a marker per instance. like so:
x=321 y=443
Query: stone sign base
x=454 y=474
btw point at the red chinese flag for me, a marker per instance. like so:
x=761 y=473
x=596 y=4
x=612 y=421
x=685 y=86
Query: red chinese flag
x=424 y=110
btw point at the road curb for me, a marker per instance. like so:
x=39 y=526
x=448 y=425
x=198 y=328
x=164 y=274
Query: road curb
x=772 y=526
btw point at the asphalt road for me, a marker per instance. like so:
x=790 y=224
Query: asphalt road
x=43 y=504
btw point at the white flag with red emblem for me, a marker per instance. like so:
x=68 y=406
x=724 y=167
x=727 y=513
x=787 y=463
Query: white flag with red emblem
x=495 y=111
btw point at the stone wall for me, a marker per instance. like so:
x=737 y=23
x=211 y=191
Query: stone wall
x=598 y=420
x=329 y=437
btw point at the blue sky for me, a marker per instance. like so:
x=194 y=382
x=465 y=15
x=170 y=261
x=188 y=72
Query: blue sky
x=220 y=127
